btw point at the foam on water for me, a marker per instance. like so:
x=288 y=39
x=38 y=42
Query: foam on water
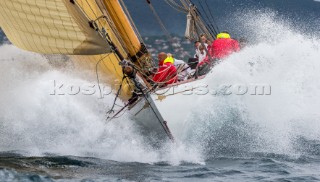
x=33 y=121
x=287 y=61
x=36 y=122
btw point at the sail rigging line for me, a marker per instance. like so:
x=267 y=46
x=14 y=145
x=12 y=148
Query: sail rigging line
x=200 y=14
x=207 y=19
x=115 y=31
x=109 y=21
x=163 y=124
x=124 y=77
x=131 y=20
x=185 y=3
x=201 y=26
x=136 y=50
x=117 y=96
x=115 y=51
x=175 y=6
x=115 y=116
x=185 y=6
x=140 y=51
x=203 y=20
x=212 y=17
x=96 y=16
x=97 y=74
x=112 y=25
x=127 y=79
x=107 y=17
x=138 y=86
x=145 y=96
x=178 y=6
x=211 y=23
x=160 y=22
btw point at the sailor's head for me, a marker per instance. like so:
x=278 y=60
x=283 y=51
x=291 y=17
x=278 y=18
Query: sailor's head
x=201 y=47
x=223 y=35
x=169 y=59
x=209 y=42
x=196 y=44
x=162 y=56
x=203 y=38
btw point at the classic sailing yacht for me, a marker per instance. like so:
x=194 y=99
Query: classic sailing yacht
x=100 y=35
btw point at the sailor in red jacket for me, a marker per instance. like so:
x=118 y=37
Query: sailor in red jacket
x=223 y=46
x=167 y=72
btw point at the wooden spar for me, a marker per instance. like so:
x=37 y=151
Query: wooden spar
x=123 y=25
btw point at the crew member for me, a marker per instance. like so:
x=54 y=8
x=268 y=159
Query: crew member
x=183 y=69
x=196 y=48
x=223 y=46
x=167 y=72
x=201 y=53
x=192 y=62
x=204 y=40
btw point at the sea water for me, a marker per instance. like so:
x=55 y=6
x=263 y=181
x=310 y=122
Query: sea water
x=226 y=137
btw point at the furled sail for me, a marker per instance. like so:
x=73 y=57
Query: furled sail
x=190 y=28
x=50 y=27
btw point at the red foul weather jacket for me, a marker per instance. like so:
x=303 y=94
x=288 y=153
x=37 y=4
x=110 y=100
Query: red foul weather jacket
x=221 y=48
x=166 y=73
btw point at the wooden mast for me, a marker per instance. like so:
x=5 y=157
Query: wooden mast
x=124 y=27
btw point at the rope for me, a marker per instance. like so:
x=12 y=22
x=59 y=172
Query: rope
x=175 y=6
x=212 y=18
x=116 y=98
x=199 y=21
x=178 y=6
x=131 y=21
x=108 y=18
x=128 y=38
x=212 y=29
x=185 y=3
x=160 y=21
x=116 y=115
x=97 y=74
x=116 y=32
x=167 y=131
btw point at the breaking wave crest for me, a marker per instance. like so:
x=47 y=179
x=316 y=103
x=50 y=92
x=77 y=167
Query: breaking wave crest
x=282 y=122
x=36 y=123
